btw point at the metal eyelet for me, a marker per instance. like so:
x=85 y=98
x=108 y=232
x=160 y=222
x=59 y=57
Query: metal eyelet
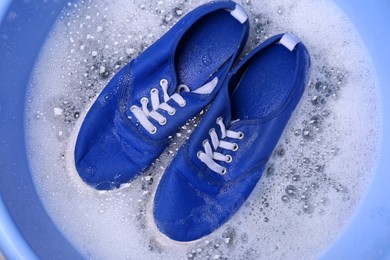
x=182 y=88
x=235 y=147
x=163 y=82
x=198 y=154
x=144 y=99
x=172 y=113
x=211 y=130
x=230 y=158
x=183 y=104
x=133 y=107
x=219 y=119
x=204 y=142
x=153 y=90
x=241 y=135
x=163 y=122
x=154 y=131
x=223 y=171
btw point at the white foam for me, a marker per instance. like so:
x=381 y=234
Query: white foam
x=314 y=183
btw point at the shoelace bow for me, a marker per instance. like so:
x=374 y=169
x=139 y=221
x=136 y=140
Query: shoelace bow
x=143 y=113
x=209 y=156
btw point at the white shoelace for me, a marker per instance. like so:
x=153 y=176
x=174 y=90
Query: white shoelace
x=209 y=155
x=143 y=113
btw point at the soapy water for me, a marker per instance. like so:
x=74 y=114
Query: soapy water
x=313 y=185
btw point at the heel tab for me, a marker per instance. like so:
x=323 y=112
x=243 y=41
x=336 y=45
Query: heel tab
x=289 y=41
x=239 y=13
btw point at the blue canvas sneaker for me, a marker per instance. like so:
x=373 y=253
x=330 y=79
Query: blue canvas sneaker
x=129 y=124
x=216 y=170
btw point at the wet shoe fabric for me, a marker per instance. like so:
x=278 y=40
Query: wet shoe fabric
x=131 y=121
x=216 y=170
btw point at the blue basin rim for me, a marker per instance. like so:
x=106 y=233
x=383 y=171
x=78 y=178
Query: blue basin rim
x=21 y=41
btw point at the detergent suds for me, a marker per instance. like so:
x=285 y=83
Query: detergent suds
x=314 y=183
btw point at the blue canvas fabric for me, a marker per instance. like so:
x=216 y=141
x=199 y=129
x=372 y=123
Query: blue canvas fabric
x=112 y=146
x=257 y=100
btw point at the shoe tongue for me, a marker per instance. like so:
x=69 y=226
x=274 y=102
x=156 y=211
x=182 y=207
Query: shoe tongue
x=223 y=100
x=173 y=85
x=228 y=116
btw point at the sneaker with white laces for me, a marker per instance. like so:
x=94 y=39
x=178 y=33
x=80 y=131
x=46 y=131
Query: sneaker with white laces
x=216 y=170
x=129 y=124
